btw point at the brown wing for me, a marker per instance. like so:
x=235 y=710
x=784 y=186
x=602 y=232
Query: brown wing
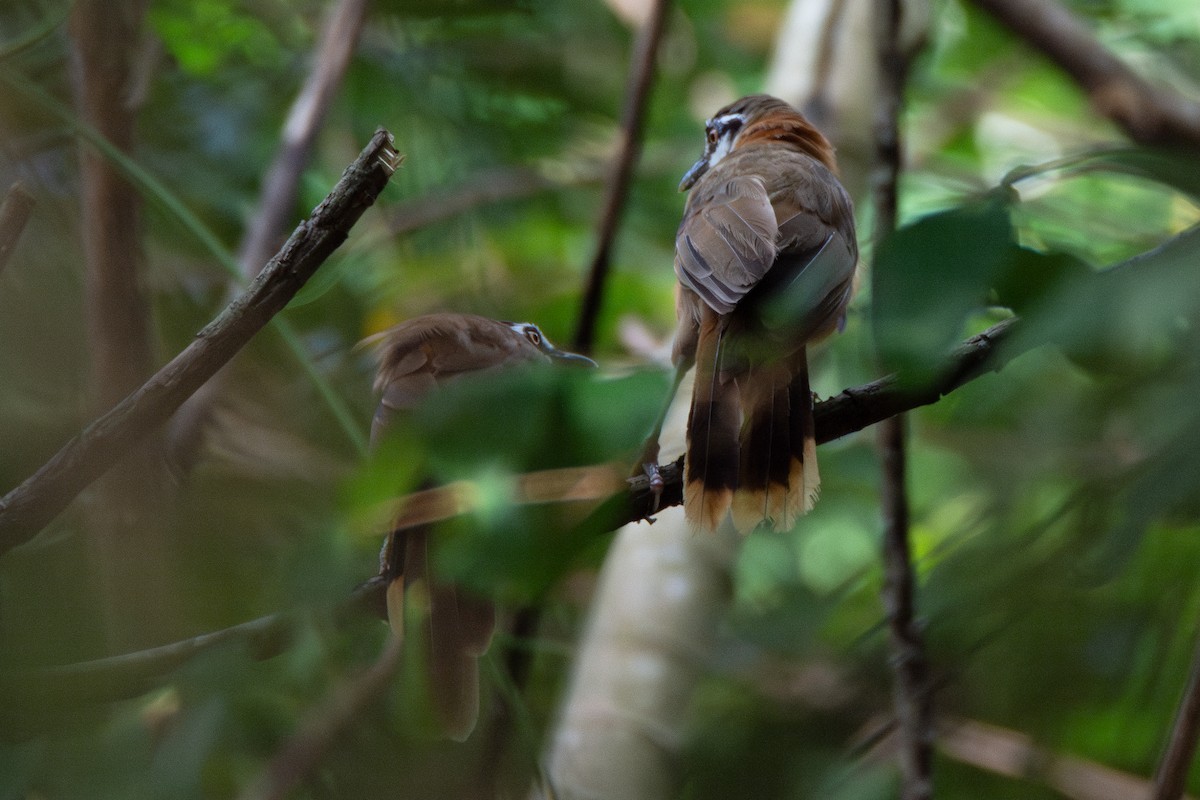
x=418 y=355
x=726 y=242
x=812 y=278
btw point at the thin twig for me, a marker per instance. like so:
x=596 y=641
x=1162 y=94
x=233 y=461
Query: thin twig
x=28 y=508
x=1148 y=113
x=912 y=694
x=641 y=78
x=277 y=197
x=1170 y=780
x=14 y=216
x=319 y=731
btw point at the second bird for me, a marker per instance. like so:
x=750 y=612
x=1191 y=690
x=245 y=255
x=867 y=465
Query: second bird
x=766 y=257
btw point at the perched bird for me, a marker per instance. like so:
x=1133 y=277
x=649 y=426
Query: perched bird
x=416 y=358
x=766 y=257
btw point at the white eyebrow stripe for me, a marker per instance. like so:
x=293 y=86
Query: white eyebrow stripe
x=723 y=122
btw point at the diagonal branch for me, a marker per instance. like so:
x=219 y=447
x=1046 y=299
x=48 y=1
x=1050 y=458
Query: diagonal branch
x=40 y=498
x=1149 y=114
x=641 y=77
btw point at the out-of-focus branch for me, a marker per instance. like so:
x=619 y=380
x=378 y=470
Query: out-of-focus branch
x=319 y=730
x=277 y=197
x=28 y=508
x=1171 y=778
x=911 y=692
x=105 y=36
x=124 y=538
x=641 y=78
x=25 y=694
x=15 y=212
x=1149 y=114
x=1014 y=754
x=492 y=186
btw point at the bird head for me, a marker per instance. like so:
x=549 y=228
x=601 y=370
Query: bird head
x=535 y=337
x=756 y=117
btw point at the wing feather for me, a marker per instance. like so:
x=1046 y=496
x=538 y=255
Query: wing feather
x=726 y=242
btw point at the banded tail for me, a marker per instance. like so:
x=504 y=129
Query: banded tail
x=751 y=443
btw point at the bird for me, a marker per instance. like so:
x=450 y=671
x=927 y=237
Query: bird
x=416 y=359
x=765 y=259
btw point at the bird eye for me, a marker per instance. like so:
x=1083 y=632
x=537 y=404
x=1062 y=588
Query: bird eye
x=533 y=335
x=712 y=135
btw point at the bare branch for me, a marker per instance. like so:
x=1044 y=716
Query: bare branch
x=1149 y=114
x=641 y=77
x=28 y=508
x=15 y=212
x=1170 y=780
x=318 y=732
x=911 y=692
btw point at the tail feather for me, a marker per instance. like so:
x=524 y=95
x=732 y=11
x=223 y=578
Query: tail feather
x=778 y=479
x=765 y=448
x=712 y=433
x=458 y=629
x=805 y=478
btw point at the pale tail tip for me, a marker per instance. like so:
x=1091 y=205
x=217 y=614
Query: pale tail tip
x=705 y=508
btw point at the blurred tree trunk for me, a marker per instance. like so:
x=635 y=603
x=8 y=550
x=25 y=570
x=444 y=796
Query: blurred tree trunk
x=124 y=510
x=648 y=641
x=646 y=646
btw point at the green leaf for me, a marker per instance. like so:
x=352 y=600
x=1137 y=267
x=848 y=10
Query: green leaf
x=1029 y=277
x=930 y=275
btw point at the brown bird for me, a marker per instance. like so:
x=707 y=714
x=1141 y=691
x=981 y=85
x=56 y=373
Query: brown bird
x=417 y=357
x=765 y=257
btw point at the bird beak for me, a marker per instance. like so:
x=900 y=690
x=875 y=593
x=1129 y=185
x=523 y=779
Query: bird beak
x=564 y=356
x=693 y=174
x=570 y=359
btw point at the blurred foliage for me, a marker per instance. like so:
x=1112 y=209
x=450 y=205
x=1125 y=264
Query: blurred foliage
x=1054 y=504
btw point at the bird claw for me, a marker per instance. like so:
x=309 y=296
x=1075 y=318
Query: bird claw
x=656 y=483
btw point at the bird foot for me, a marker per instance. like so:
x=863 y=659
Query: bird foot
x=652 y=472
